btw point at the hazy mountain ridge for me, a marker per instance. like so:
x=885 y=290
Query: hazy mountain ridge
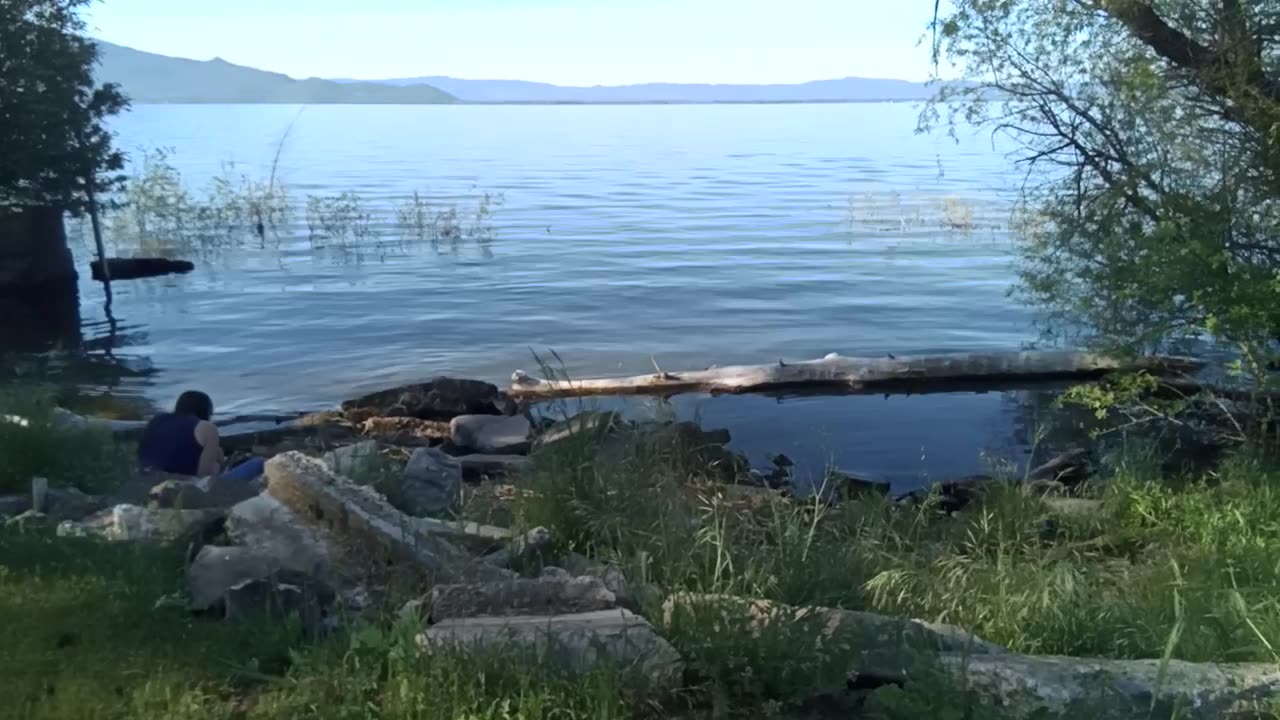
x=849 y=89
x=150 y=78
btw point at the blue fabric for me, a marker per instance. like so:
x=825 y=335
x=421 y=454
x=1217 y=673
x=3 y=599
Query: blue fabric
x=169 y=445
x=247 y=470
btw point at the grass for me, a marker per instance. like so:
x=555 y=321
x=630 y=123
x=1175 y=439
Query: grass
x=86 y=458
x=1181 y=568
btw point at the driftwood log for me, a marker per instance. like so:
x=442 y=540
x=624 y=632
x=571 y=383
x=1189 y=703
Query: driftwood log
x=849 y=374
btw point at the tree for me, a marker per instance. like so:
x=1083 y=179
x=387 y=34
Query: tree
x=53 y=141
x=1150 y=132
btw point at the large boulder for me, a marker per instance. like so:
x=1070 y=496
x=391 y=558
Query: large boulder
x=500 y=435
x=441 y=399
x=216 y=570
x=274 y=531
x=133 y=523
x=579 y=644
x=429 y=486
x=541 y=596
x=365 y=525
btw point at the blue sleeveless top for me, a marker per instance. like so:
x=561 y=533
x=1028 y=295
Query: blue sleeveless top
x=169 y=445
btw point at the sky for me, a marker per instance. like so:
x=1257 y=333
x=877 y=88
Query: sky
x=567 y=42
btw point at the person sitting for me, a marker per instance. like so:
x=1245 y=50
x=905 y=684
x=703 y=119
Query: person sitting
x=185 y=442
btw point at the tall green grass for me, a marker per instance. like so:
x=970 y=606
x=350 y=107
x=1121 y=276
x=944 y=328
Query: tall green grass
x=1202 y=556
x=90 y=459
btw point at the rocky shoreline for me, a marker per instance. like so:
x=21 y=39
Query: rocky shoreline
x=360 y=500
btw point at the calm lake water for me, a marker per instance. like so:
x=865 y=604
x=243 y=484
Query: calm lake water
x=689 y=235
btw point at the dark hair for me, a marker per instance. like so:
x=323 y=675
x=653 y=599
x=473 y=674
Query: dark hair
x=194 y=403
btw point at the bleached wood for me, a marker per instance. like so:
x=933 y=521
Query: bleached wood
x=851 y=373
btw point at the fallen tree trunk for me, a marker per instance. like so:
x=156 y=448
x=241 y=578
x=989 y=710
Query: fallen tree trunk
x=853 y=374
x=136 y=268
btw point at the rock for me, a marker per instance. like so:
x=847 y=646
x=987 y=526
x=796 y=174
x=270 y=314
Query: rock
x=29 y=522
x=526 y=550
x=847 y=485
x=441 y=399
x=591 y=424
x=431 y=484
x=178 y=494
x=216 y=570
x=11 y=505
x=1034 y=687
x=500 y=435
x=280 y=595
x=133 y=523
x=354 y=460
x=365 y=524
x=474 y=536
x=478 y=466
x=578 y=644
x=542 y=596
x=272 y=530
x=952 y=495
x=70 y=504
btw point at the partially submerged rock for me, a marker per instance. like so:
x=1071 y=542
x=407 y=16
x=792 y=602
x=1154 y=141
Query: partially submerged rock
x=500 y=435
x=430 y=485
x=575 y=644
x=133 y=523
x=363 y=523
x=273 y=530
x=540 y=596
x=441 y=399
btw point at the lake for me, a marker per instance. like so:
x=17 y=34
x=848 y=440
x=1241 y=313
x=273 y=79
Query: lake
x=682 y=235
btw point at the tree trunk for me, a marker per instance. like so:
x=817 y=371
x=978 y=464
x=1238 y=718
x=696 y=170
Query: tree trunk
x=39 y=294
x=842 y=374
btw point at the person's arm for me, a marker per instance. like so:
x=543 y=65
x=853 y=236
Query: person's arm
x=211 y=453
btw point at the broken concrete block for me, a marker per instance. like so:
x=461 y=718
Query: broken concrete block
x=271 y=529
x=576 y=644
x=548 y=595
x=431 y=484
x=363 y=523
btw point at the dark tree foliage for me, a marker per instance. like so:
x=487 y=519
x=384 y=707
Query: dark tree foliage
x=54 y=146
x=1151 y=134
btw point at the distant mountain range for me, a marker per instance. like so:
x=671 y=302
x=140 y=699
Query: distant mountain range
x=151 y=78
x=850 y=89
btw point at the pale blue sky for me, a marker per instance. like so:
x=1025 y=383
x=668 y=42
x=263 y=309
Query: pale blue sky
x=580 y=42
